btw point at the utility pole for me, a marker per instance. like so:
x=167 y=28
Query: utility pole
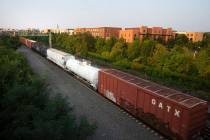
x=50 y=39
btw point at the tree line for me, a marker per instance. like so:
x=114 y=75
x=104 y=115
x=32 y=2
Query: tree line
x=27 y=108
x=179 y=63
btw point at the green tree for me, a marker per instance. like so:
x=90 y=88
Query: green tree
x=27 y=112
x=118 y=51
x=159 y=54
x=180 y=39
x=146 y=49
x=105 y=54
x=82 y=49
x=123 y=63
x=99 y=45
x=180 y=60
x=206 y=40
x=89 y=40
x=133 y=50
x=203 y=63
x=109 y=43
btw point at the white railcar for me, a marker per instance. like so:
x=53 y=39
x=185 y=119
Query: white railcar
x=84 y=70
x=58 y=57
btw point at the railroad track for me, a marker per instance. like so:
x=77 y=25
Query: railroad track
x=207 y=133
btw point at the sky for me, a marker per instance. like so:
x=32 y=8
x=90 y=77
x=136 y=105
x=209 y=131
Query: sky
x=181 y=15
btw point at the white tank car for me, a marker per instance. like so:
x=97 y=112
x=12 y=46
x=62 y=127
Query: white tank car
x=58 y=57
x=84 y=70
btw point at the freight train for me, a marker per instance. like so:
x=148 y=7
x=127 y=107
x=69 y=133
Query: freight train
x=172 y=113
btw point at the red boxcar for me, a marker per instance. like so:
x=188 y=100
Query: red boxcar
x=171 y=112
x=27 y=42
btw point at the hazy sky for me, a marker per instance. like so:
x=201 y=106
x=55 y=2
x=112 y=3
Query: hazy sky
x=182 y=15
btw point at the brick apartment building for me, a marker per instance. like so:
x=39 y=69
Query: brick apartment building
x=103 y=32
x=193 y=36
x=129 y=34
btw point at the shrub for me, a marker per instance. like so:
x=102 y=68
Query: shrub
x=28 y=110
x=135 y=66
x=124 y=63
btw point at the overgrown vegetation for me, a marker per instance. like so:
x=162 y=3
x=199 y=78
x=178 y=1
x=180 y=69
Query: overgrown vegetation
x=179 y=63
x=26 y=109
x=43 y=39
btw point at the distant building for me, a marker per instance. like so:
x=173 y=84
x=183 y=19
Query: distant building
x=45 y=31
x=103 y=32
x=129 y=34
x=70 y=31
x=8 y=31
x=29 y=31
x=58 y=31
x=193 y=36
